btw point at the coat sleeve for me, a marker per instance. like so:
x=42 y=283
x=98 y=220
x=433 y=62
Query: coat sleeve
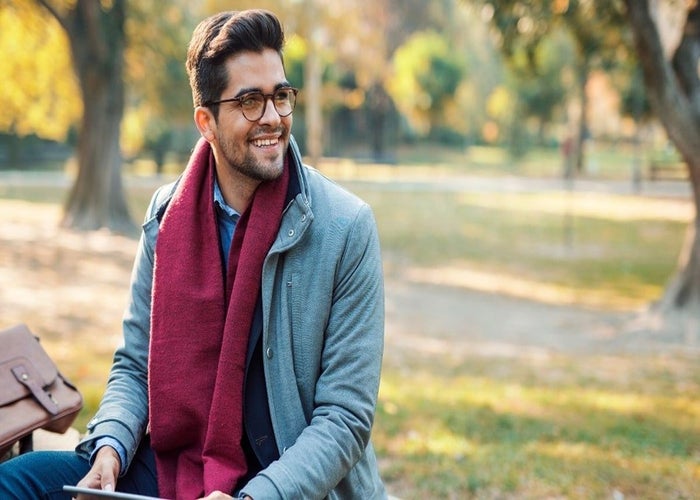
x=123 y=411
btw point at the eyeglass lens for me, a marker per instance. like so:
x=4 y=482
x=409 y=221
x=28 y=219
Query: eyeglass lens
x=253 y=104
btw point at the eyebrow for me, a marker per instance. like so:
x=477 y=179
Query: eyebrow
x=247 y=90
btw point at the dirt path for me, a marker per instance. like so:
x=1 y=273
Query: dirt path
x=451 y=321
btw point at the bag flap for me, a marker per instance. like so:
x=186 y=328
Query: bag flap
x=21 y=347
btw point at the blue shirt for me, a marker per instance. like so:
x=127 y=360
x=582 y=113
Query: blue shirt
x=227 y=218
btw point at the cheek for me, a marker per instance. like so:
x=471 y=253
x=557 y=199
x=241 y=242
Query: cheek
x=235 y=129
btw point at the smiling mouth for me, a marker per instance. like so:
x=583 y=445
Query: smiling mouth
x=261 y=143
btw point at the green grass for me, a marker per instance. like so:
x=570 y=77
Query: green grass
x=566 y=426
x=610 y=161
x=488 y=429
x=39 y=194
x=561 y=239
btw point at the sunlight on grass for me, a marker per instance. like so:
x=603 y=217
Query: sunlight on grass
x=481 y=435
x=610 y=251
x=344 y=170
x=585 y=204
x=495 y=282
x=614 y=161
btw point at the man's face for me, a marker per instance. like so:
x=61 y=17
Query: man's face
x=257 y=149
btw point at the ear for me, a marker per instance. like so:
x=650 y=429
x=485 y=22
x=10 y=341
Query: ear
x=206 y=123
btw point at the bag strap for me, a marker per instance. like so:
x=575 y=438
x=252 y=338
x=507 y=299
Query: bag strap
x=44 y=398
x=163 y=197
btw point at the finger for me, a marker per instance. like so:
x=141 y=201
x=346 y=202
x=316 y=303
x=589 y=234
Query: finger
x=216 y=495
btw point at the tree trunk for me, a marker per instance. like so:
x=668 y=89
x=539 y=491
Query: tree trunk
x=97 y=39
x=97 y=197
x=674 y=94
x=313 y=89
x=378 y=112
x=582 y=132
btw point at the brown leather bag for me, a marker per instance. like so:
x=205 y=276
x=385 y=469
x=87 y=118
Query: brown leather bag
x=33 y=394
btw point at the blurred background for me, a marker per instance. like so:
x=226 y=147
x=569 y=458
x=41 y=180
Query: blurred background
x=533 y=167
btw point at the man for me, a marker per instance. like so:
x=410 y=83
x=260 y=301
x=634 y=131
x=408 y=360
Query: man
x=254 y=332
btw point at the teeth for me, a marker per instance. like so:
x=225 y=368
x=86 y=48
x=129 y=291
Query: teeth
x=265 y=142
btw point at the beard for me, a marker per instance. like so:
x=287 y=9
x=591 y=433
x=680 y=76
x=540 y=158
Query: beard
x=258 y=165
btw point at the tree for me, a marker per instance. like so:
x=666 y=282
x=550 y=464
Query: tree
x=669 y=60
x=666 y=41
x=634 y=104
x=116 y=58
x=37 y=99
x=532 y=96
x=595 y=26
x=543 y=91
x=96 y=36
x=426 y=78
x=158 y=114
x=34 y=100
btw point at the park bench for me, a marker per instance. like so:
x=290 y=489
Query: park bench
x=667 y=169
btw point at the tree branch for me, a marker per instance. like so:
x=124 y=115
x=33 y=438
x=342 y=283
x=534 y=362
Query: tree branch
x=685 y=60
x=90 y=13
x=55 y=13
x=666 y=95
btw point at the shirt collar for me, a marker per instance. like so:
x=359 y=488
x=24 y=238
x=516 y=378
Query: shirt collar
x=221 y=203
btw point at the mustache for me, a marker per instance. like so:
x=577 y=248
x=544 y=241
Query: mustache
x=281 y=130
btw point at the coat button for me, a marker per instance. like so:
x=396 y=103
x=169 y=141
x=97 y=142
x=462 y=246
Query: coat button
x=290 y=233
x=303 y=218
x=268 y=352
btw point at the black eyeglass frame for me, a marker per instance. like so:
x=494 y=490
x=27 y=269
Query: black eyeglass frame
x=271 y=97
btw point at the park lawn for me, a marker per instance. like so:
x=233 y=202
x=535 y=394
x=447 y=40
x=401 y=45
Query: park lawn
x=567 y=427
x=561 y=426
x=602 y=250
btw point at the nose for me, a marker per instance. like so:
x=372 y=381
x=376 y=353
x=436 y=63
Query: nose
x=270 y=114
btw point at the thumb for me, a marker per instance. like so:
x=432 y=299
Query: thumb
x=108 y=464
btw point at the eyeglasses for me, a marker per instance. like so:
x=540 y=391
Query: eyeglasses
x=253 y=104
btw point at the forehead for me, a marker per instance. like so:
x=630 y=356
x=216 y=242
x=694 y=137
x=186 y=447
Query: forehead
x=254 y=70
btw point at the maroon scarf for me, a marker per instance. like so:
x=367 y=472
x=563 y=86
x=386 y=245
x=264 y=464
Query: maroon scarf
x=200 y=323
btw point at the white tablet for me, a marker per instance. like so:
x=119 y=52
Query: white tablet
x=76 y=490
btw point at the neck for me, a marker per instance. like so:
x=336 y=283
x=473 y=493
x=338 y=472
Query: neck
x=237 y=189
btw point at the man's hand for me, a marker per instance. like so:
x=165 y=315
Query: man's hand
x=104 y=472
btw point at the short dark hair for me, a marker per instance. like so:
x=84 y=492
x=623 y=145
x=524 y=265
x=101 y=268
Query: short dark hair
x=222 y=35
